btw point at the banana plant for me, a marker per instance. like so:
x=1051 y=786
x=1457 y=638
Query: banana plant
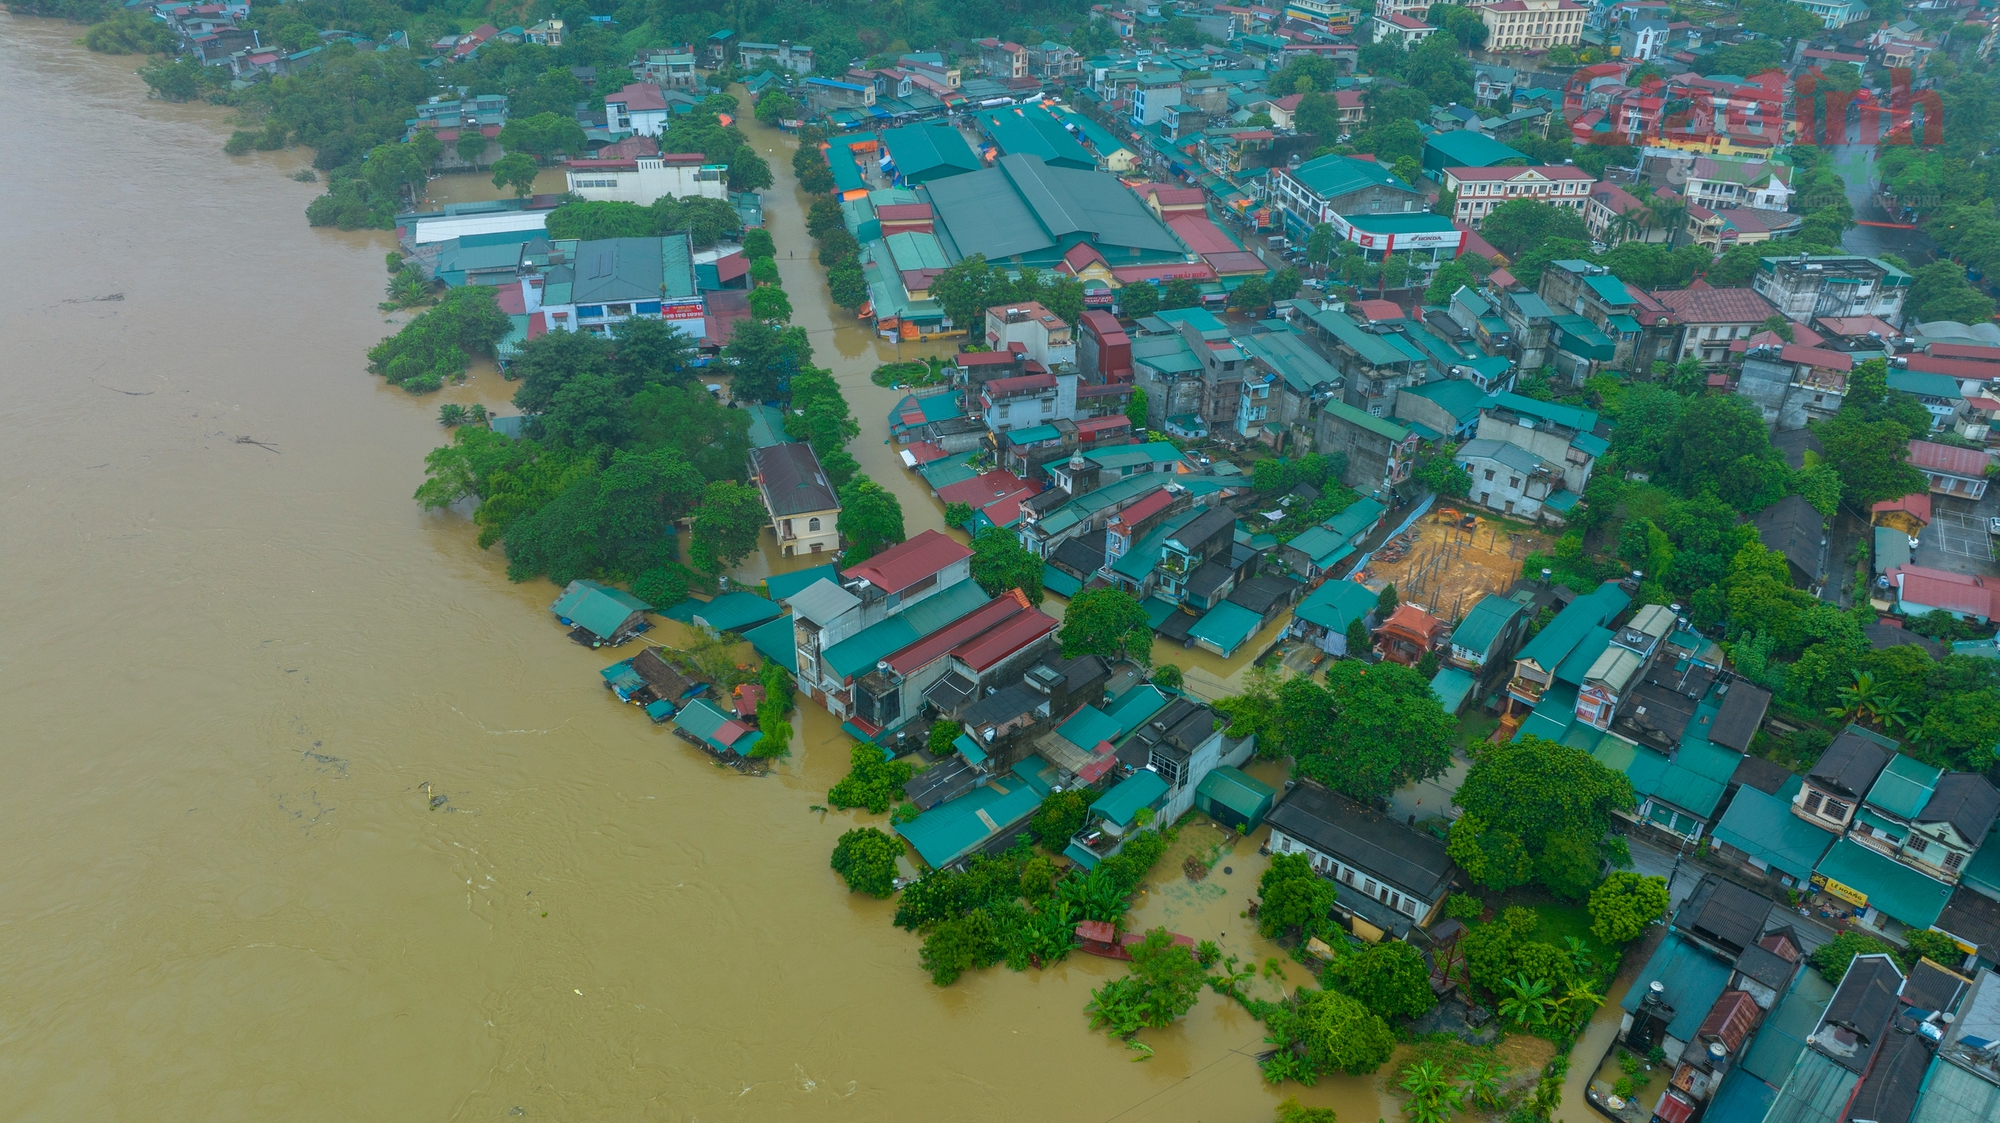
x=1528 y=1003
x=1482 y=1084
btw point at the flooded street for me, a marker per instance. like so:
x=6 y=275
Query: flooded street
x=237 y=676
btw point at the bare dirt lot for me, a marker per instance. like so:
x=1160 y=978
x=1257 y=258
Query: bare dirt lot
x=1444 y=566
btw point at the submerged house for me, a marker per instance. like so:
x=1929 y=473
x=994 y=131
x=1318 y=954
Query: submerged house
x=1392 y=877
x=702 y=724
x=598 y=614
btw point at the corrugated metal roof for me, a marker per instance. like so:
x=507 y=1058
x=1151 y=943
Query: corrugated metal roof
x=1764 y=827
x=1889 y=885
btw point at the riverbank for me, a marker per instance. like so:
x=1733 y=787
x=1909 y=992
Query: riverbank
x=225 y=874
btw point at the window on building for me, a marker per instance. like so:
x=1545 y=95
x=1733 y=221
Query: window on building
x=1834 y=809
x=1918 y=844
x=1953 y=860
x=1489 y=473
x=812 y=525
x=1813 y=800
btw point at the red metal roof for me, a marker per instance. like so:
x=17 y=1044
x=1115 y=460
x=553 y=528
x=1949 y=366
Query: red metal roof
x=1818 y=357
x=940 y=643
x=1937 y=588
x=1152 y=504
x=1966 y=351
x=1854 y=326
x=1967 y=462
x=1917 y=506
x=731 y=266
x=906 y=563
x=985 y=358
x=923 y=452
x=639 y=96
x=1374 y=310
x=905 y=212
x=511 y=299
x=1730 y=1020
x=1671 y=1108
x=983 y=489
x=1955 y=368
x=1018 y=631
x=1089 y=427
x=1201 y=235
x=1709 y=305
x=1021 y=383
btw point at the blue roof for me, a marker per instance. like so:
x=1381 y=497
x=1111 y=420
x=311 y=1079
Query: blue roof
x=1694 y=980
x=1122 y=802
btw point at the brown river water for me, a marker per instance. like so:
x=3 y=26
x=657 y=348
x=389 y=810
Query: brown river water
x=236 y=675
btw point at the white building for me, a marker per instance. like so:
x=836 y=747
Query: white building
x=1480 y=190
x=1508 y=479
x=621 y=173
x=1532 y=25
x=1832 y=285
x=608 y=281
x=638 y=108
x=1404 y=31
x=1044 y=337
x=1253 y=407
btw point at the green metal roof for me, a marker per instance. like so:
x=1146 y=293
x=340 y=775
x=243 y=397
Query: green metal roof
x=1058 y=582
x=1578 y=662
x=598 y=609
x=1572 y=417
x=1483 y=625
x=1817 y=1090
x=1122 y=802
x=1332 y=176
x=1237 y=790
x=1791 y=1021
x=774 y=640
x=968 y=747
x=732 y=612
x=1764 y=827
x=1031 y=130
x=929 y=151
x=1455 y=396
x=785 y=586
x=1609 y=289
x=711 y=725
x=1573 y=624
x=1031 y=435
x=1694 y=978
x=956 y=827
x=857 y=653
x=1408 y=222
x=1088 y=727
x=1320 y=545
x=1373 y=349
x=1451 y=686
x=1226 y=627
x=1355 y=516
x=1904 y=786
x=1135 y=563
x=1137 y=705
x=1953 y=1095
x=1131 y=456
x=1889 y=885
x=1368 y=421
x=1924 y=384
x=1336 y=603
x=1464 y=148
x=1622 y=323
x=1983 y=869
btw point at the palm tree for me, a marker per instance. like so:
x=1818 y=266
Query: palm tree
x=1529 y=1003
x=1868 y=701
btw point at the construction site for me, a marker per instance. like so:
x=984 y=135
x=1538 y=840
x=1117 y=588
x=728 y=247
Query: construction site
x=1450 y=558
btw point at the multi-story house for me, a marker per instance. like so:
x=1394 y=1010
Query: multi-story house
x=1054 y=62
x=634 y=170
x=595 y=286
x=1709 y=318
x=1404 y=31
x=1484 y=642
x=1043 y=336
x=824 y=95
x=1616 y=317
x=992 y=642
x=1832 y=285
x=1613 y=674
x=1532 y=25
x=1318 y=190
x=638 y=108
x=1563 y=436
x=1481 y=191
x=1842 y=777
x=1254 y=407
x=1510 y=480
x=1028 y=401
x=672 y=70
x=1615 y=215
x=782 y=55
x=1169 y=746
x=1536 y=664
x=805 y=512
x=834 y=623
x=1392 y=877
x=1194 y=564
x=1001 y=59
x=1734 y=181
x=1925 y=817
x=1380 y=453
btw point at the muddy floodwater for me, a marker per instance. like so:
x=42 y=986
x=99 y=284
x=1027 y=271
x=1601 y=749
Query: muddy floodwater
x=310 y=814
